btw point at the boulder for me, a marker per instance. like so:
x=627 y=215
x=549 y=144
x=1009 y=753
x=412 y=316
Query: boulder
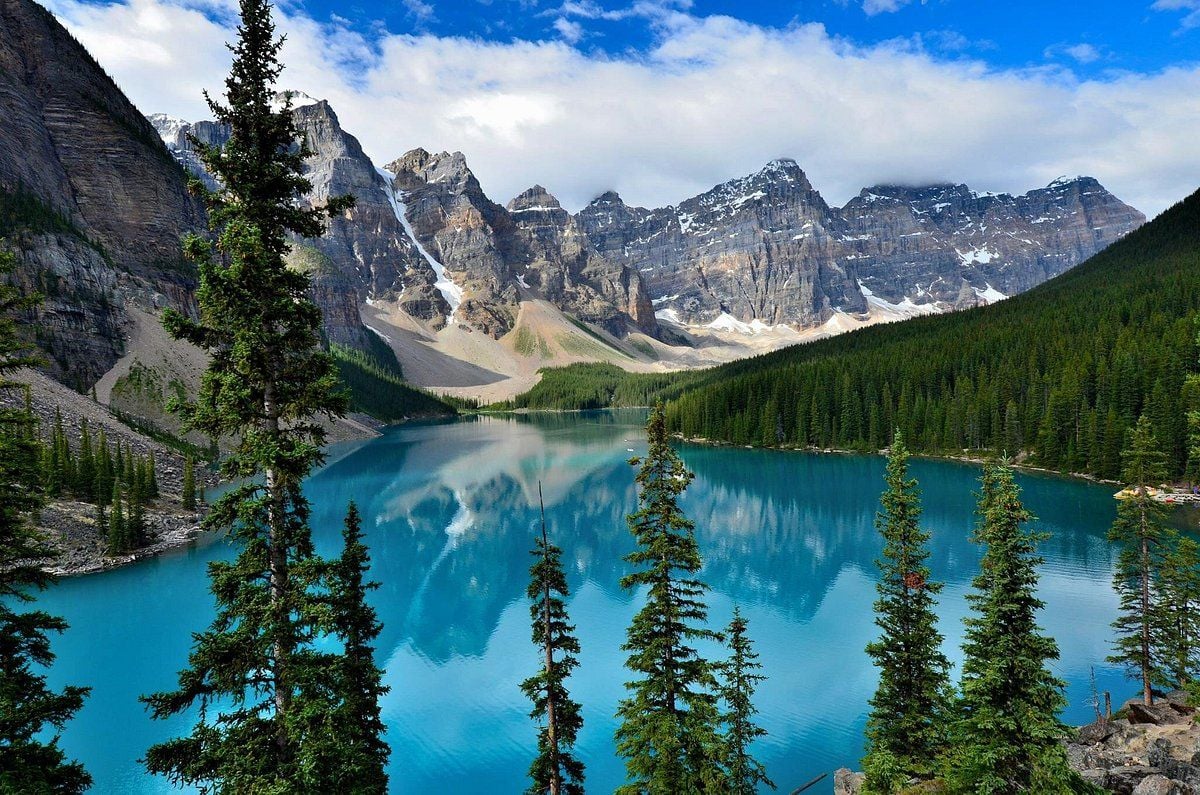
x=1158 y=784
x=847 y=782
x=1161 y=713
x=1096 y=732
x=1125 y=779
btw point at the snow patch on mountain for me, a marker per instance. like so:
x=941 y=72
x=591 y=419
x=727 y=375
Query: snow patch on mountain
x=444 y=284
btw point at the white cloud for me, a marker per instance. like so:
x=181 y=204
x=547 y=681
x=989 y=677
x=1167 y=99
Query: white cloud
x=571 y=31
x=421 y=11
x=873 y=7
x=1083 y=52
x=1191 y=19
x=715 y=98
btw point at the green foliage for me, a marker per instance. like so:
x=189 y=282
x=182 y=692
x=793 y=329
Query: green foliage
x=738 y=681
x=909 y=709
x=1007 y=737
x=31 y=713
x=105 y=474
x=594 y=386
x=189 y=484
x=668 y=733
x=1144 y=540
x=1061 y=371
x=376 y=387
x=270 y=694
x=555 y=769
x=1177 y=614
x=357 y=753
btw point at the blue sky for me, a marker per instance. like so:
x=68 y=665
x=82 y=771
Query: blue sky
x=662 y=99
x=1091 y=37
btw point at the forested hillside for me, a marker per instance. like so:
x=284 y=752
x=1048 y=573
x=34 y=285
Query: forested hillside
x=1059 y=372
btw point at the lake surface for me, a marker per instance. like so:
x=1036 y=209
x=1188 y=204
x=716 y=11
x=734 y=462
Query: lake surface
x=450 y=511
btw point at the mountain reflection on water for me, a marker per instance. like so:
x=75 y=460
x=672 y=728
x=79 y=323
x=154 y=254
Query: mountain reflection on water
x=450 y=510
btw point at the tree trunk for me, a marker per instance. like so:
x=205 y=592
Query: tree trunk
x=1147 y=692
x=277 y=553
x=548 y=642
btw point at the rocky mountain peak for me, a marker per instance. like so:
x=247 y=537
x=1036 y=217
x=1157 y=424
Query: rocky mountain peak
x=535 y=198
x=419 y=167
x=608 y=199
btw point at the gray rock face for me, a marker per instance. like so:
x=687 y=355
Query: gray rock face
x=365 y=253
x=768 y=247
x=495 y=253
x=98 y=204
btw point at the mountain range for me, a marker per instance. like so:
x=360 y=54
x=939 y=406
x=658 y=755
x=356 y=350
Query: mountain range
x=474 y=297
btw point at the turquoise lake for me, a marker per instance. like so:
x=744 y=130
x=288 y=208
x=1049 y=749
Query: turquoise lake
x=450 y=511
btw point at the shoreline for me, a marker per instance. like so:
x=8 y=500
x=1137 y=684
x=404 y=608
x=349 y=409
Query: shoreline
x=963 y=458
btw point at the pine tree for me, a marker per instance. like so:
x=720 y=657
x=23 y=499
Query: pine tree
x=906 y=727
x=189 y=484
x=739 y=679
x=556 y=770
x=267 y=381
x=30 y=758
x=1007 y=737
x=1144 y=539
x=1177 y=614
x=668 y=733
x=85 y=473
x=357 y=753
x=151 y=477
x=118 y=529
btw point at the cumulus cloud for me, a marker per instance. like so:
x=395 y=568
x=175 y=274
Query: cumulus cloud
x=713 y=99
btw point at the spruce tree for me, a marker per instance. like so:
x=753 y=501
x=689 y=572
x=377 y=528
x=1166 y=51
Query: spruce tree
x=1007 y=737
x=85 y=473
x=189 y=484
x=907 y=724
x=738 y=681
x=118 y=529
x=668 y=733
x=1144 y=539
x=31 y=714
x=257 y=667
x=1177 y=614
x=151 y=477
x=356 y=751
x=555 y=770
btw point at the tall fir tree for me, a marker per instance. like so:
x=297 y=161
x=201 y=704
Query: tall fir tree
x=1177 y=615
x=556 y=770
x=31 y=713
x=189 y=484
x=668 y=733
x=739 y=678
x=267 y=382
x=1144 y=539
x=907 y=725
x=357 y=753
x=1007 y=737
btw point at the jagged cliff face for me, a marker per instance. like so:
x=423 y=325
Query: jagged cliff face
x=759 y=251
x=97 y=203
x=768 y=249
x=496 y=255
x=948 y=246
x=761 y=247
x=567 y=268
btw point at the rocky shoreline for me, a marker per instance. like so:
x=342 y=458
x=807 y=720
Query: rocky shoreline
x=1143 y=750
x=71 y=529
